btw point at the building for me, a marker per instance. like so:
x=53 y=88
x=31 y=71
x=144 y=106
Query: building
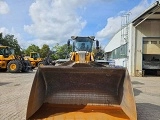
x=137 y=45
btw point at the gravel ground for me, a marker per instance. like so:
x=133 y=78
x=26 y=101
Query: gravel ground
x=15 y=89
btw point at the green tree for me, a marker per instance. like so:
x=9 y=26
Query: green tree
x=62 y=52
x=1 y=38
x=32 y=48
x=99 y=54
x=44 y=51
x=9 y=40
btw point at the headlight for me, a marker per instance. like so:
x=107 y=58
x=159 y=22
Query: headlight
x=87 y=53
x=92 y=37
x=73 y=37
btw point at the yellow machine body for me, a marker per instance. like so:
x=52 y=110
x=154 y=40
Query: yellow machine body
x=34 y=59
x=81 y=89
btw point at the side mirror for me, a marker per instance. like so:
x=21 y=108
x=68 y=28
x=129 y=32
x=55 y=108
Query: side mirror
x=97 y=44
x=68 y=42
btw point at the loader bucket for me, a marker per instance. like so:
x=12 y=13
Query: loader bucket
x=81 y=93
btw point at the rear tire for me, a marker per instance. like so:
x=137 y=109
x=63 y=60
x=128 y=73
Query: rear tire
x=26 y=66
x=14 y=66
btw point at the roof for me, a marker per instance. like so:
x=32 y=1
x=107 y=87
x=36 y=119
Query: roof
x=152 y=13
x=114 y=43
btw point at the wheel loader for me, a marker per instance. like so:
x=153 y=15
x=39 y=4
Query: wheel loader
x=81 y=89
x=34 y=59
x=9 y=62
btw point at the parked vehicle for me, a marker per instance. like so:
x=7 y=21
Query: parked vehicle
x=12 y=63
x=81 y=88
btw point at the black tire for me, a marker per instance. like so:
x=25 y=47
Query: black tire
x=14 y=66
x=26 y=66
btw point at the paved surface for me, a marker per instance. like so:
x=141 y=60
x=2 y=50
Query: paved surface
x=147 y=96
x=14 y=93
x=15 y=88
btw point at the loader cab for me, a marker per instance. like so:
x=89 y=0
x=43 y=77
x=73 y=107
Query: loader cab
x=6 y=51
x=82 y=43
x=82 y=49
x=34 y=55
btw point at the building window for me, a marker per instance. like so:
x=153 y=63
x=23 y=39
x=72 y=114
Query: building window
x=145 y=42
x=120 y=52
x=153 y=42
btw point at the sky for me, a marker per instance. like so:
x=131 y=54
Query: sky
x=55 y=21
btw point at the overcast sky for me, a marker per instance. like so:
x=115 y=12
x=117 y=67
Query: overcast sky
x=55 y=21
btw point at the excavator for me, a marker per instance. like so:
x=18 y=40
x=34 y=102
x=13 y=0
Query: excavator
x=81 y=88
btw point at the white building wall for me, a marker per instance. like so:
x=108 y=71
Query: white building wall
x=116 y=42
x=121 y=62
x=131 y=50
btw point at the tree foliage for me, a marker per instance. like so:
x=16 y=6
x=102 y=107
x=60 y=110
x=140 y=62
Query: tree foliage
x=44 y=50
x=1 y=37
x=99 y=54
x=9 y=40
x=62 y=52
x=32 y=48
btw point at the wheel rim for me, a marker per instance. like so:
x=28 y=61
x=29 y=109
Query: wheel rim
x=13 y=66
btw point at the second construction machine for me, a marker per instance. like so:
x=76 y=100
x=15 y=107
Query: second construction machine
x=11 y=63
x=34 y=59
x=81 y=89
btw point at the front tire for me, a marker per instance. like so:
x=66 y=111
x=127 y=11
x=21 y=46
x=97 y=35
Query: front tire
x=14 y=66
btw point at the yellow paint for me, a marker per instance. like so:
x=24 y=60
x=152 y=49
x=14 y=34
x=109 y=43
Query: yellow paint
x=13 y=66
x=76 y=112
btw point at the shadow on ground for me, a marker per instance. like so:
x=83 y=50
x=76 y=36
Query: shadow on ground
x=137 y=83
x=148 y=111
x=4 y=83
x=136 y=91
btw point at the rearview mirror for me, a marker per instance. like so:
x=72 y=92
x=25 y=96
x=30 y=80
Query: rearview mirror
x=68 y=42
x=97 y=44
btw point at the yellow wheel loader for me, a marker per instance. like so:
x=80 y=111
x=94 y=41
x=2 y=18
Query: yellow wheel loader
x=34 y=59
x=81 y=89
x=10 y=63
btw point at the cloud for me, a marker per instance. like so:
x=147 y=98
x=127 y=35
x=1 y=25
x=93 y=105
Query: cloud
x=4 y=9
x=4 y=30
x=114 y=23
x=21 y=42
x=40 y=43
x=55 y=20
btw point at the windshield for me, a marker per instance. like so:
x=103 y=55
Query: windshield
x=6 y=51
x=35 y=55
x=83 y=44
x=12 y=51
x=1 y=51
